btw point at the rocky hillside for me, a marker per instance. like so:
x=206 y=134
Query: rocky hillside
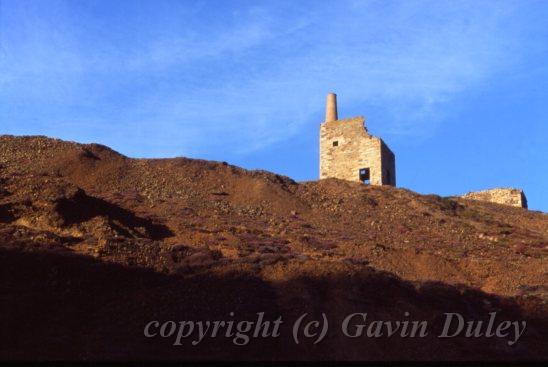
x=93 y=245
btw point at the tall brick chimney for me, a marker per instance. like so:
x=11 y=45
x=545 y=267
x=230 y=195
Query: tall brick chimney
x=331 y=107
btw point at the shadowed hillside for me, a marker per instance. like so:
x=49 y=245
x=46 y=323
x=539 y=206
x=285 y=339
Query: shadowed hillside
x=94 y=245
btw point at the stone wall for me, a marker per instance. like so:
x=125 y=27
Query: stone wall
x=388 y=164
x=507 y=196
x=346 y=147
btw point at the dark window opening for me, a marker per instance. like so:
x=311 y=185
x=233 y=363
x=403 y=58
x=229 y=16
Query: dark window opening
x=388 y=177
x=335 y=143
x=364 y=175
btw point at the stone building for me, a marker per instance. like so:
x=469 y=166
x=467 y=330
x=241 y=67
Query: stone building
x=506 y=196
x=349 y=152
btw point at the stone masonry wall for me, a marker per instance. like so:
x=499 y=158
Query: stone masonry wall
x=355 y=149
x=507 y=196
x=388 y=162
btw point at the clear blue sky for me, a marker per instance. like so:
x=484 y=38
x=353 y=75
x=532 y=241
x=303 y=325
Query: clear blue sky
x=457 y=89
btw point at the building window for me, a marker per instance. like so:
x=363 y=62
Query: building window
x=336 y=143
x=364 y=175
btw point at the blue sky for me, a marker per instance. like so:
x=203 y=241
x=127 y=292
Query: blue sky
x=457 y=89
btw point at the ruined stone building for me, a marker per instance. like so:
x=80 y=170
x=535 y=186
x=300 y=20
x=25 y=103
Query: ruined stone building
x=506 y=196
x=349 y=152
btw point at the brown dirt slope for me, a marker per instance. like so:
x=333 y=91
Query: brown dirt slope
x=87 y=233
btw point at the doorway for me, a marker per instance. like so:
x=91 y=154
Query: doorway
x=364 y=176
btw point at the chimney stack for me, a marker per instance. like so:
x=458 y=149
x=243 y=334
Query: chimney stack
x=331 y=108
